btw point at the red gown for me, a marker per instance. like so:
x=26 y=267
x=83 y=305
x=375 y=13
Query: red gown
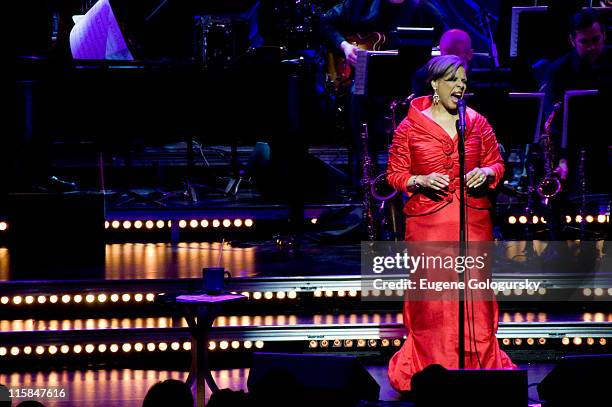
x=420 y=147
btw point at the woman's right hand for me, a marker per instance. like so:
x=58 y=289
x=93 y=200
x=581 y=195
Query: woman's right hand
x=435 y=181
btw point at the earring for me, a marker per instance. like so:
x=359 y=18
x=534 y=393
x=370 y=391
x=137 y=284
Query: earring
x=436 y=97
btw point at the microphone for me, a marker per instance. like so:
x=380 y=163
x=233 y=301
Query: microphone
x=461 y=112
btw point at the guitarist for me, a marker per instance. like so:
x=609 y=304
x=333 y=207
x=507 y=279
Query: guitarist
x=370 y=20
x=368 y=16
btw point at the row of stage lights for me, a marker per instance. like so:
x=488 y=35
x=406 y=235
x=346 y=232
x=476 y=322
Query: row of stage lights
x=597 y=292
x=162 y=224
x=566 y=341
x=77 y=299
x=224 y=345
x=269 y=295
x=587 y=292
x=182 y=224
x=125 y=298
x=339 y=293
x=150 y=297
x=534 y=220
x=354 y=343
x=238 y=223
x=256 y=295
x=400 y=293
x=184 y=346
x=125 y=348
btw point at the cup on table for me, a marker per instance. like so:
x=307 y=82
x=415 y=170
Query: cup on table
x=213 y=279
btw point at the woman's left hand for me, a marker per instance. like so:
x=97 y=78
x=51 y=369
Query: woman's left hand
x=478 y=177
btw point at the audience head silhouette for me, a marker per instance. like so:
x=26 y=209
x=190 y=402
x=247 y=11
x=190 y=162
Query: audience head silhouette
x=229 y=398
x=431 y=387
x=5 y=400
x=169 y=393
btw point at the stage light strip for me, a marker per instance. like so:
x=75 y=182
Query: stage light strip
x=351 y=285
x=342 y=286
x=523 y=219
x=291 y=288
x=100 y=298
x=349 y=335
x=100 y=348
x=88 y=298
x=126 y=347
x=163 y=346
x=153 y=224
x=235 y=345
x=350 y=343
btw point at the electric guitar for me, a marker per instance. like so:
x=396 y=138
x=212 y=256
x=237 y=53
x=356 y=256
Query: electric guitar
x=340 y=73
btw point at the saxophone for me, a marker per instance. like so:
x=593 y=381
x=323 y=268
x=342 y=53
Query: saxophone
x=381 y=202
x=366 y=185
x=380 y=188
x=549 y=186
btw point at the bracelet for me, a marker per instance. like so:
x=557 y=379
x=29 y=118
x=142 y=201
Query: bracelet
x=414 y=182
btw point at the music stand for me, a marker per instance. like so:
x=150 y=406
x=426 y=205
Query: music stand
x=413 y=38
x=528 y=100
x=389 y=73
x=525 y=30
x=568 y=97
x=581 y=130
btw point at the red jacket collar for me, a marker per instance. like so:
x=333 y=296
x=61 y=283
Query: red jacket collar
x=424 y=123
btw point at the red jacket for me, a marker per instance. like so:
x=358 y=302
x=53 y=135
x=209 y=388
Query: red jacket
x=420 y=146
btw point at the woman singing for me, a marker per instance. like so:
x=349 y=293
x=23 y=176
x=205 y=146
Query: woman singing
x=424 y=163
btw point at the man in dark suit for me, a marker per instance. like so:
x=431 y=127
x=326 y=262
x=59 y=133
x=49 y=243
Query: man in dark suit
x=587 y=66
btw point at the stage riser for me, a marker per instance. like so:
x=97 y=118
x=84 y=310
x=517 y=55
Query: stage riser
x=518 y=311
x=144 y=298
x=530 y=341
x=512 y=331
x=196 y=225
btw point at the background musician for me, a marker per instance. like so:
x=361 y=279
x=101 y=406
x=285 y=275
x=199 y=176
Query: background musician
x=369 y=18
x=587 y=66
x=453 y=42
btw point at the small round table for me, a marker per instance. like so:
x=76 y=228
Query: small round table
x=200 y=311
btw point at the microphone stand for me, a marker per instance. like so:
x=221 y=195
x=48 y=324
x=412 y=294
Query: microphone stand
x=490 y=39
x=462 y=227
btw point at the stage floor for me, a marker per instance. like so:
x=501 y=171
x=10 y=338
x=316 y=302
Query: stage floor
x=127 y=387
x=185 y=260
x=320 y=299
